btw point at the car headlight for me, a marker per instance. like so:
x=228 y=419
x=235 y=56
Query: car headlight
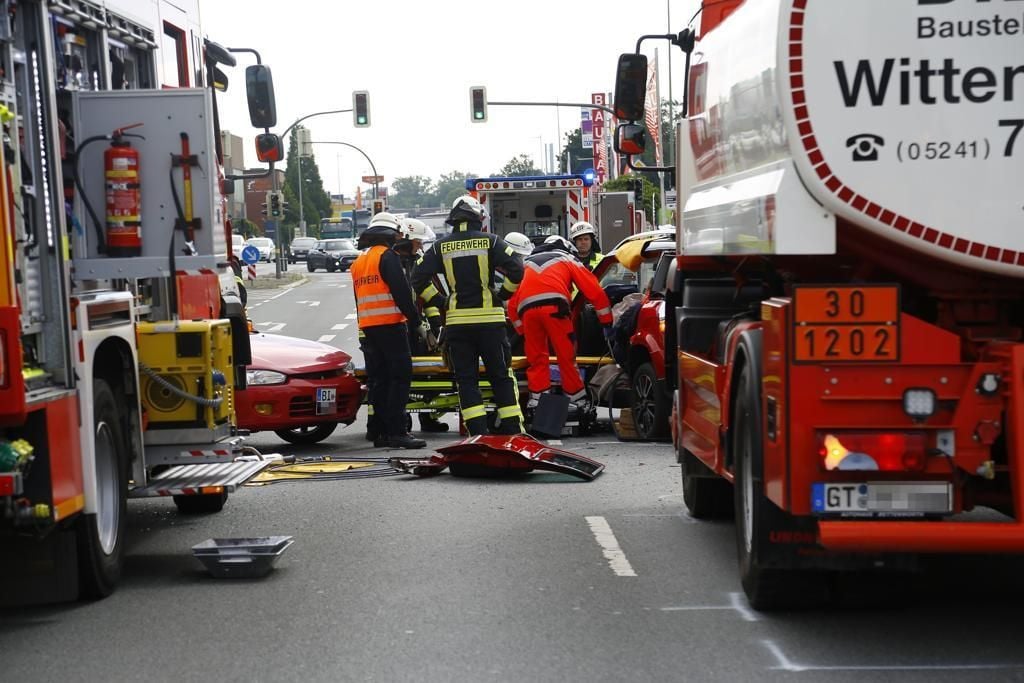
x=349 y=368
x=264 y=377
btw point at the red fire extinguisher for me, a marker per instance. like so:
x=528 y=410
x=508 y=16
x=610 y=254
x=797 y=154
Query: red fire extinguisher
x=124 y=196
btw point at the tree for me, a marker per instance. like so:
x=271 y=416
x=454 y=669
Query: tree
x=575 y=158
x=409 y=192
x=521 y=165
x=451 y=186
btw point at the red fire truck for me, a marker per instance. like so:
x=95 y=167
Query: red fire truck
x=122 y=335
x=849 y=318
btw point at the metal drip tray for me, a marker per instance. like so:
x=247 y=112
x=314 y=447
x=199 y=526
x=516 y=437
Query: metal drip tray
x=241 y=558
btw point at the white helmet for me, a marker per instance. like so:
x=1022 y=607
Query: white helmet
x=581 y=228
x=467 y=207
x=563 y=244
x=385 y=220
x=415 y=229
x=520 y=243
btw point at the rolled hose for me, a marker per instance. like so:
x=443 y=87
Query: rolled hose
x=205 y=402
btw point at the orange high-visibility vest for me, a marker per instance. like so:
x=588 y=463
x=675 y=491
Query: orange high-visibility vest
x=374 y=303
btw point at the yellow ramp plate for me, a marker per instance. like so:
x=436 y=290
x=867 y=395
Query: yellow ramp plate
x=305 y=470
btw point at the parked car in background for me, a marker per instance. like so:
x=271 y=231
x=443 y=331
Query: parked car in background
x=265 y=246
x=237 y=245
x=299 y=248
x=297 y=388
x=332 y=255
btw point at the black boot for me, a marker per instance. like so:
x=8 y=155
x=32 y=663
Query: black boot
x=404 y=441
x=430 y=424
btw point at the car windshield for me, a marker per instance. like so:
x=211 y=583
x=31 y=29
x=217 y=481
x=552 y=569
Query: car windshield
x=261 y=242
x=618 y=274
x=303 y=242
x=540 y=228
x=337 y=245
x=237 y=240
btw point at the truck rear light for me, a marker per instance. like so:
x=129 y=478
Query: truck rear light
x=876 y=451
x=919 y=403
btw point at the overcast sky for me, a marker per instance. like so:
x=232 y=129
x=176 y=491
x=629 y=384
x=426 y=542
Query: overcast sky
x=418 y=61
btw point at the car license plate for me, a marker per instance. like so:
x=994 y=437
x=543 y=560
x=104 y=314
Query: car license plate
x=844 y=324
x=882 y=498
x=326 y=401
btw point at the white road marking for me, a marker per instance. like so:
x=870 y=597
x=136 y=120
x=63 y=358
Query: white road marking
x=554 y=442
x=736 y=604
x=350 y=316
x=326 y=337
x=273 y=327
x=314 y=303
x=784 y=663
x=610 y=546
x=340 y=326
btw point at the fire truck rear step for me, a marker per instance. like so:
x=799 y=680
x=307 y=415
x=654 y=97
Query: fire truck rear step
x=192 y=479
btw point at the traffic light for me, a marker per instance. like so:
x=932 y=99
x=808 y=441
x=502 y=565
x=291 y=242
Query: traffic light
x=269 y=147
x=378 y=206
x=478 y=104
x=361 y=109
x=275 y=204
x=265 y=210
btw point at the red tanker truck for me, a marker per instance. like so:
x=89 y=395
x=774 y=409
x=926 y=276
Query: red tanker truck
x=850 y=370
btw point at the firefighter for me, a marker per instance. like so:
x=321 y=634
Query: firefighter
x=540 y=311
x=423 y=338
x=384 y=306
x=520 y=243
x=584 y=237
x=467 y=258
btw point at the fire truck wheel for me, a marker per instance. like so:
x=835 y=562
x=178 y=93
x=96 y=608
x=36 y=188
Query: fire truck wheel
x=650 y=404
x=101 y=535
x=308 y=434
x=766 y=589
x=201 y=504
x=706 y=495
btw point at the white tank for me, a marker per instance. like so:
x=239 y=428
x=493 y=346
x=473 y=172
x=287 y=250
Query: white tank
x=904 y=118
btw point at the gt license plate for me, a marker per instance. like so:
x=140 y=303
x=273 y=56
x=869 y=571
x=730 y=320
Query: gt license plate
x=326 y=401
x=882 y=497
x=844 y=324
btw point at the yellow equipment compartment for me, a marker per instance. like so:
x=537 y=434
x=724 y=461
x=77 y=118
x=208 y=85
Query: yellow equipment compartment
x=179 y=360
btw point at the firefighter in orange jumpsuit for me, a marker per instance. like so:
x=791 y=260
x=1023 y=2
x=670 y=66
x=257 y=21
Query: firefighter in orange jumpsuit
x=540 y=311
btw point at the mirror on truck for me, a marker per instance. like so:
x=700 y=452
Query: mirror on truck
x=630 y=87
x=630 y=138
x=218 y=54
x=259 y=89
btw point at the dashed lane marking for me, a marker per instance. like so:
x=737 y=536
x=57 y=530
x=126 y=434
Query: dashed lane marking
x=272 y=327
x=326 y=338
x=340 y=326
x=350 y=316
x=605 y=537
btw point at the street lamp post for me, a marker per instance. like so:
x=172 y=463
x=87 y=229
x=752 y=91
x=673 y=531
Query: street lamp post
x=302 y=215
x=275 y=183
x=368 y=159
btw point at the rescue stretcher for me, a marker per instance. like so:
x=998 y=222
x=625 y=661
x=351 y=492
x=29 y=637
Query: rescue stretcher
x=433 y=389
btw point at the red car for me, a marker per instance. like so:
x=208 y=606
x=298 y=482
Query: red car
x=298 y=388
x=638 y=265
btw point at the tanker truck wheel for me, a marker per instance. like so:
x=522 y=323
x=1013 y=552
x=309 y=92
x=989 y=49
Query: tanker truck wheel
x=101 y=535
x=774 y=587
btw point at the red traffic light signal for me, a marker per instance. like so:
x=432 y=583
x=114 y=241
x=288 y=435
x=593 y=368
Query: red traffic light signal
x=361 y=109
x=478 y=104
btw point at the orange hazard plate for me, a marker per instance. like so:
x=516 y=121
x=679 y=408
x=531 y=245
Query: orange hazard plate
x=846 y=324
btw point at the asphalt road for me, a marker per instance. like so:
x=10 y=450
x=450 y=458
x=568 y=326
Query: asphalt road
x=446 y=579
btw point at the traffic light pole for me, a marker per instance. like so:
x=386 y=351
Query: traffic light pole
x=368 y=159
x=275 y=185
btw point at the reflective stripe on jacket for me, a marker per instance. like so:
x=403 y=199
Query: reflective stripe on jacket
x=549 y=279
x=374 y=303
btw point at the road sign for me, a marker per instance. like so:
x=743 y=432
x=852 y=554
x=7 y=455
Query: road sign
x=373 y=179
x=250 y=254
